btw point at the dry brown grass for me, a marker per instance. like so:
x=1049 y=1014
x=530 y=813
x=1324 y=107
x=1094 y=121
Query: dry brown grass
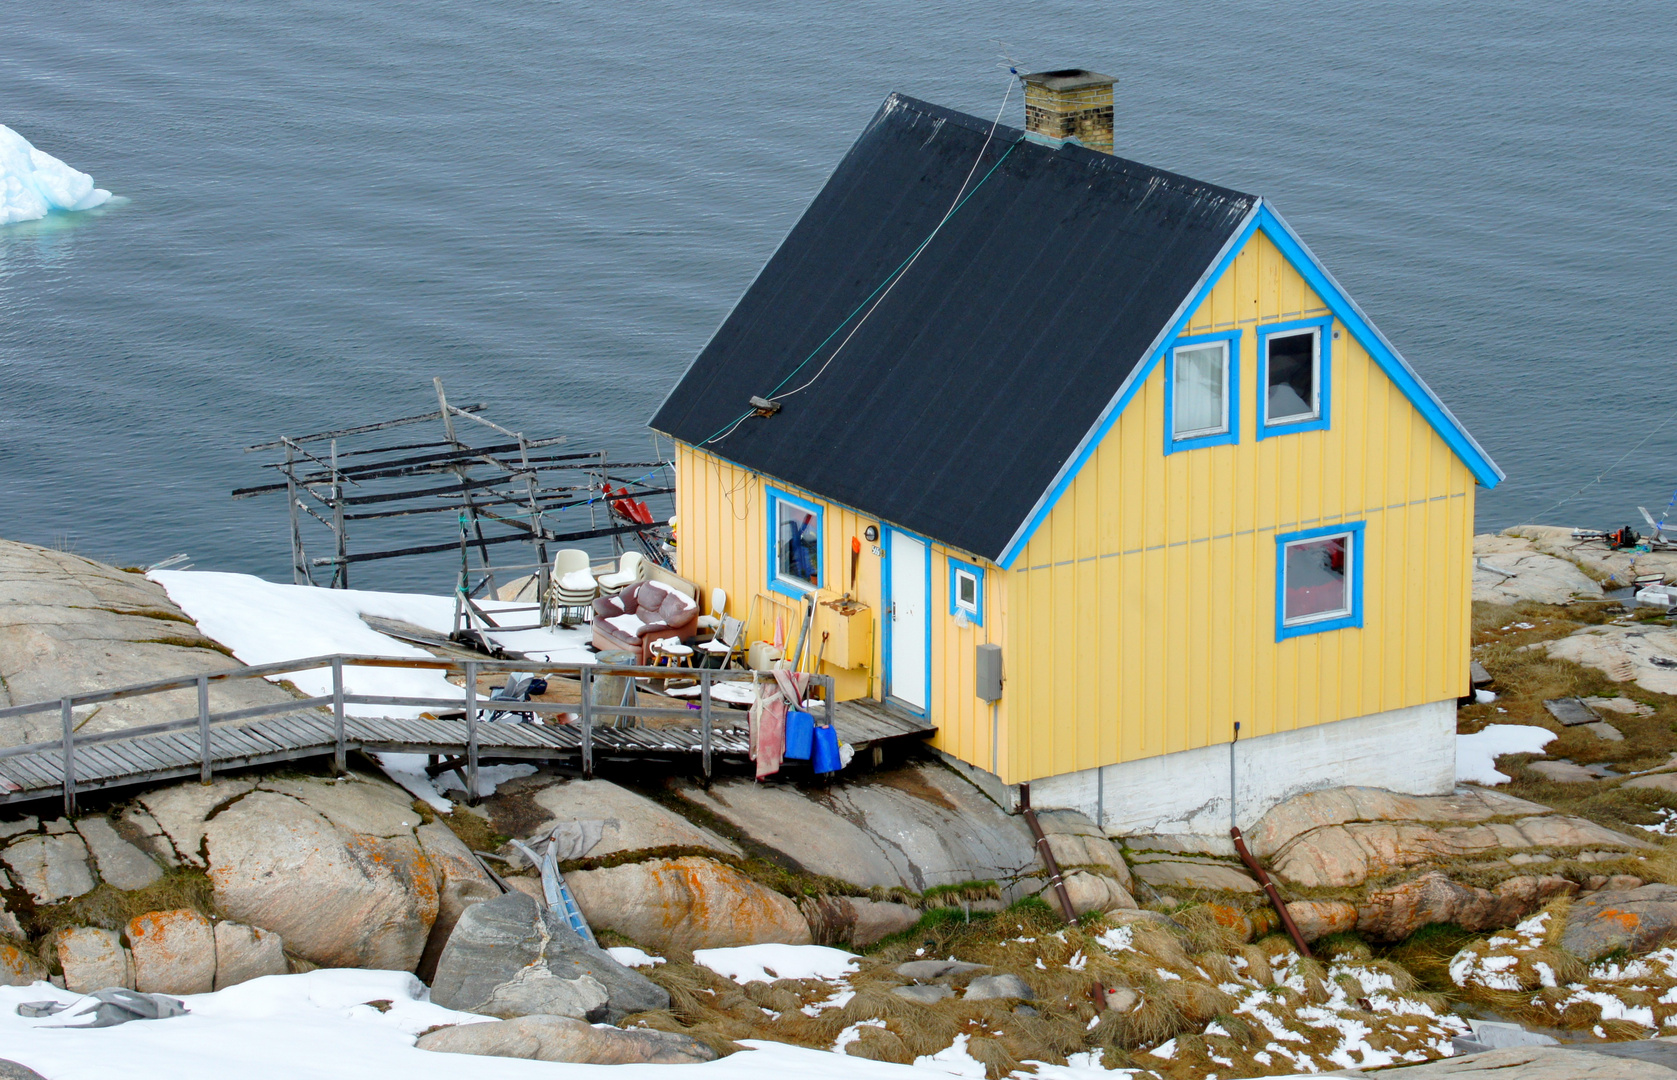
x=111 y=909
x=1526 y=678
x=1179 y=979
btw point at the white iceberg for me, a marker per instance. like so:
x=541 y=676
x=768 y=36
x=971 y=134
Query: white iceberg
x=34 y=183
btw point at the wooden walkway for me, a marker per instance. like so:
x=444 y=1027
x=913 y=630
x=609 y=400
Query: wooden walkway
x=201 y=747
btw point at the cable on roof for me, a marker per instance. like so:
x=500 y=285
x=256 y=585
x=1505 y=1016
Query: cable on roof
x=888 y=283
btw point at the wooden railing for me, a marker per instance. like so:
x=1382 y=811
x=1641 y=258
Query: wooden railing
x=470 y=703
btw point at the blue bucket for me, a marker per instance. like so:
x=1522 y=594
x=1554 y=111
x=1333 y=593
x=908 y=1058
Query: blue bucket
x=800 y=735
x=827 y=750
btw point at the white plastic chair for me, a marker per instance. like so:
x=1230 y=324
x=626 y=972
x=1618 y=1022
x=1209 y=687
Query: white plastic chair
x=718 y=607
x=630 y=569
x=572 y=587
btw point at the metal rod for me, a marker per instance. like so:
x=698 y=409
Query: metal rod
x=471 y=726
x=364 y=428
x=340 y=574
x=704 y=722
x=206 y=765
x=69 y=718
x=339 y=765
x=429 y=549
x=1047 y=854
x=299 y=568
x=586 y=718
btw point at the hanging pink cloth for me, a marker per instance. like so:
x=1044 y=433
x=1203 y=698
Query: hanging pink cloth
x=768 y=719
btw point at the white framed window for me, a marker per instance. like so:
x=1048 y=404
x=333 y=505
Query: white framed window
x=1293 y=376
x=1200 y=382
x=794 y=544
x=966 y=591
x=1319 y=579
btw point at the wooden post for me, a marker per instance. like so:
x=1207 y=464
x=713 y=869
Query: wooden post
x=204 y=765
x=471 y=731
x=69 y=758
x=339 y=765
x=827 y=686
x=340 y=573
x=704 y=722
x=299 y=562
x=586 y=677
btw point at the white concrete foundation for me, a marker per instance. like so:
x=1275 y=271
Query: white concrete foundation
x=1412 y=751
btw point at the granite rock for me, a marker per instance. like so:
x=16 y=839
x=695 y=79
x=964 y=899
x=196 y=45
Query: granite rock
x=558 y=1038
x=686 y=903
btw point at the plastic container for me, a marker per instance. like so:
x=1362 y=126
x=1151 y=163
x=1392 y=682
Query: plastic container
x=800 y=735
x=826 y=757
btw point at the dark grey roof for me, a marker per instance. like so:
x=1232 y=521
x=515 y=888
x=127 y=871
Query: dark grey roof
x=953 y=407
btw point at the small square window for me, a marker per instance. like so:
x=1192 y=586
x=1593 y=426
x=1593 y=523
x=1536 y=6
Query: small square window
x=1292 y=373
x=1201 y=390
x=966 y=591
x=1318 y=577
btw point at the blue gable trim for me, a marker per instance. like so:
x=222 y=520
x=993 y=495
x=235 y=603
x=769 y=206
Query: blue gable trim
x=1375 y=344
x=1387 y=358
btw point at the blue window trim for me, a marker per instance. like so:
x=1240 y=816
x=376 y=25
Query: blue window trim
x=776 y=582
x=1174 y=445
x=1359 y=555
x=1323 y=325
x=1263 y=218
x=886 y=534
x=976 y=571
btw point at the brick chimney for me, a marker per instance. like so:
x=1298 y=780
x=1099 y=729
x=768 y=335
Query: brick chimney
x=1070 y=104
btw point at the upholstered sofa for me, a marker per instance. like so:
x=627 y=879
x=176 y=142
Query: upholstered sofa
x=642 y=614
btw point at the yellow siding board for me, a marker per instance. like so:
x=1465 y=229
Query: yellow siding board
x=1158 y=570
x=1140 y=618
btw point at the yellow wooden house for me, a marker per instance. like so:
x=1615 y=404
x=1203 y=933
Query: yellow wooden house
x=1103 y=460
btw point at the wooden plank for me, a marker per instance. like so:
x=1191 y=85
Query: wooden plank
x=125 y=750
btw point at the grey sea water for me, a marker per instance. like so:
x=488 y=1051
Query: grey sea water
x=552 y=205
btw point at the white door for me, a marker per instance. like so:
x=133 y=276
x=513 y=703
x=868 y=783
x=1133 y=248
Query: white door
x=906 y=680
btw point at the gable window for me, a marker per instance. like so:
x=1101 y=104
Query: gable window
x=794 y=543
x=1202 y=391
x=1202 y=381
x=1319 y=580
x=1295 y=377
x=966 y=591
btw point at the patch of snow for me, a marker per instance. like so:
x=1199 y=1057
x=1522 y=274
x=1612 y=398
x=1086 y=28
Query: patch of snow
x=33 y=183
x=1476 y=754
x=953 y=1059
x=629 y=956
x=852 y=1033
x=1166 y=1050
x=768 y=962
x=1611 y=1008
x=1666 y=825
x=837 y=1001
x=266 y=623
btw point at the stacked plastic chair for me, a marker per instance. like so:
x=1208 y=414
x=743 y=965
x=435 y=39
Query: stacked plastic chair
x=631 y=570
x=573 y=587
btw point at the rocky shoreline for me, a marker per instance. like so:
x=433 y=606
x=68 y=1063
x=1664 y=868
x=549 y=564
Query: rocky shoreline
x=190 y=888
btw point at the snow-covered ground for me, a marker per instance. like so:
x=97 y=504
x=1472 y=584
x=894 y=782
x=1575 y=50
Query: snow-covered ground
x=266 y=623
x=319 y=1026
x=33 y=183
x=1476 y=754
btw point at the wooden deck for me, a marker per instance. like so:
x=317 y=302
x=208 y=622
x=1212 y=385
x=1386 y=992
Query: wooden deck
x=114 y=761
